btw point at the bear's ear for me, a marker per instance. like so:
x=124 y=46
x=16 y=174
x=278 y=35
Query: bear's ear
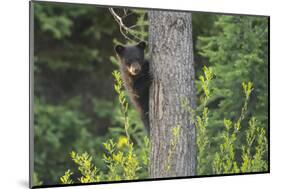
x=141 y=45
x=119 y=49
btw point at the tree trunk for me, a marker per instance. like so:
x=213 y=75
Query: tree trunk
x=172 y=69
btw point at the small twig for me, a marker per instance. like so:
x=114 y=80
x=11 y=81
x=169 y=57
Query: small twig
x=133 y=26
x=123 y=28
x=124 y=12
x=127 y=14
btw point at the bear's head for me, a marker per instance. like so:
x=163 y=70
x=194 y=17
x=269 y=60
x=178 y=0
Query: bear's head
x=131 y=57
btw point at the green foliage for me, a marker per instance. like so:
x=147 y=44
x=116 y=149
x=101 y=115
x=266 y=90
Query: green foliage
x=237 y=51
x=224 y=160
x=120 y=159
x=111 y=110
x=73 y=111
x=122 y=100
x=254 y=161
x=145 y=153
x=122 y=165
x=89 y=173
x=54 y=126
x=121 y=162
x=200 y=119
x=35 y=180
x=72 y=35
x=65 y=179
x=141 y=26
x=172 y=147
x=86 y=168
x=127 y=164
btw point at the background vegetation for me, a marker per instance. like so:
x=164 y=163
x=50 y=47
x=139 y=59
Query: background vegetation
x=77 y=108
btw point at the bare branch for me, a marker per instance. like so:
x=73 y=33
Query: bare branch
x=123 y=28
x=119 y=20
x=127 y=15
x=124 y=12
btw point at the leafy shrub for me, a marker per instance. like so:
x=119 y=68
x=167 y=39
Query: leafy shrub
x=224 y=159
x=236 y=51
x=57 y=131
x=123 y=162
x=35 y=180
x=172 y=147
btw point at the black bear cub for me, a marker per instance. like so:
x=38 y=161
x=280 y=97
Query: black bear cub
x=134 y=70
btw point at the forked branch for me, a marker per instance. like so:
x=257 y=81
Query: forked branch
x=123 y=28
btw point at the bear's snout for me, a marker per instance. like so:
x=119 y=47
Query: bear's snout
x=134 y=68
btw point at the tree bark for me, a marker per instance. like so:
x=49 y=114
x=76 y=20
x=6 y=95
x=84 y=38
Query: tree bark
x=172 y=69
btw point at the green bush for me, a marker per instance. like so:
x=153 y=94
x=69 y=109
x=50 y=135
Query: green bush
x=226 y=157
x=123 y=163
x=122 y=160
x=236 y=51
x=57 y=131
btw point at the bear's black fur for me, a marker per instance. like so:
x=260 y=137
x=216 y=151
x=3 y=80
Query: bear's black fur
x=134 y=70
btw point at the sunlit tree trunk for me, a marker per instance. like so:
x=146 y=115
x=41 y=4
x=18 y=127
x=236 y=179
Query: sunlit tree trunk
x=172 y=69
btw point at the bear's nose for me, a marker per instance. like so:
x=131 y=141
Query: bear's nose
x=135 y=68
